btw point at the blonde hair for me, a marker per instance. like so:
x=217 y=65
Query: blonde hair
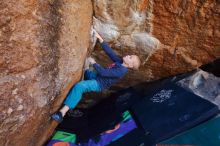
x=136 y=63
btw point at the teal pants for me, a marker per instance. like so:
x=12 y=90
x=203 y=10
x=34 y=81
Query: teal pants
x=87 y=85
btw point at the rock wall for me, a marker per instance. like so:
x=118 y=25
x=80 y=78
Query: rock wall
x=43 y=45
x=171 y=37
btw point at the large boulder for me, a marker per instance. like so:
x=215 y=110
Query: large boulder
x=43 y=45
x=171 y=37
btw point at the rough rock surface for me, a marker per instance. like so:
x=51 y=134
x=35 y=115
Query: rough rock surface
x=42 y=50
x=170 y=36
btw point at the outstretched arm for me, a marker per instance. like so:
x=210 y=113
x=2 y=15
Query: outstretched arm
x=108 y=50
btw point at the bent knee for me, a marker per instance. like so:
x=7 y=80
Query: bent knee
x=80 y=85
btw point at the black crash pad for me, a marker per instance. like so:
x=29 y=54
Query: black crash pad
x=169 y=110
x=87 y=123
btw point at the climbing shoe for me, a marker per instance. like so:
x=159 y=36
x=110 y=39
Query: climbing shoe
x=57 y=116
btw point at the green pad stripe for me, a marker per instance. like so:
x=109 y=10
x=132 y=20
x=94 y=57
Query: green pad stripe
x=64 y=136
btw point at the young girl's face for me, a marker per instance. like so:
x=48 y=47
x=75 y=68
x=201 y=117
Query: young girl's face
x=129 y=60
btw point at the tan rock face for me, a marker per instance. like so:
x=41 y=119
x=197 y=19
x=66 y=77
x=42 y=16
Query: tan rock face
x=43 y=45
x=171 y=37
x=190 y=29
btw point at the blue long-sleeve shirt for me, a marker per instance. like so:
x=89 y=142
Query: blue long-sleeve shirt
x=109 y=76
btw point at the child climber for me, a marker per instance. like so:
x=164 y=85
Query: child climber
x=97 y=81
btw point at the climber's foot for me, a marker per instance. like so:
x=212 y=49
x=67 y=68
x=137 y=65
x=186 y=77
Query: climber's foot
x=57 y=116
